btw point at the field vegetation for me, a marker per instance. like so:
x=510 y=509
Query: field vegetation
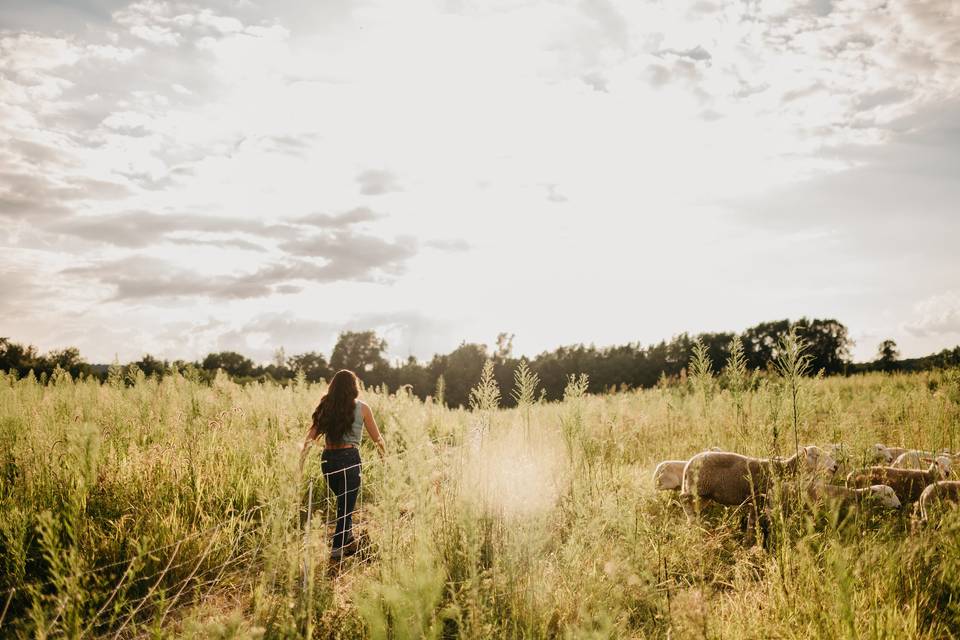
x=169 y=507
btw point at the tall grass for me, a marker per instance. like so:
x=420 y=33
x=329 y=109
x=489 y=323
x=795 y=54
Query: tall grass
x=172 y=509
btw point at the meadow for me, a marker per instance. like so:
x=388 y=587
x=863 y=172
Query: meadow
x=148 y=507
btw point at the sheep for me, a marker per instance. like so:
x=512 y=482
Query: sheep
x=893 y=452
x=908 y=483
x=732 y=479
x=920 y=459
x=937 y=494
x=841 y=499
x=848 y=457
x=668 y=476
x=881 y=453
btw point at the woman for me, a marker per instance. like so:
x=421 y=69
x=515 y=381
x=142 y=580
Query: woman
x=340 y=418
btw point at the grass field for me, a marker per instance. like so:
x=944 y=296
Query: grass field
x=170 y=508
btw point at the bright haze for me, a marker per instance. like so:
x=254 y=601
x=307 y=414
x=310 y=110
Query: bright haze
x=184 y=177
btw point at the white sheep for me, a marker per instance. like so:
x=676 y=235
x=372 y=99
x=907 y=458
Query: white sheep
x=921 y=460
x=894 y=452
x=842 y=498
x=881 y=453
x=733 y=479
x=668 y=476
x=938 y=493
x=908 y=483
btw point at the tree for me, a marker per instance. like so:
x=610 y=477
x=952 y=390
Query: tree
x=828 y=344
x=17 y=357
x=887 y=355
x=504 y=346
x=761 y=343
x=358 y=351
x=151 y=366
x=231 y=362
x=313 y=365
x=67 y=359
x=461 y=371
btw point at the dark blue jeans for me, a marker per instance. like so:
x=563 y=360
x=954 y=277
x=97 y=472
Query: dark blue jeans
x=341 y=468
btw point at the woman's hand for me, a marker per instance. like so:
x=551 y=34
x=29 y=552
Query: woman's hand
x=304 y=449
x=372 y=429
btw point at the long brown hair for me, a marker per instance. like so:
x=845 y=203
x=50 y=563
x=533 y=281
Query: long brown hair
x=334 y=415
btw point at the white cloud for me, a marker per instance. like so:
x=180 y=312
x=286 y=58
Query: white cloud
x=939 y=314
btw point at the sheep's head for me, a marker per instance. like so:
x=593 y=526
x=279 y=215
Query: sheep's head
x=886 y=496
x=943 y=465
x=882 y=453
x=817 y=459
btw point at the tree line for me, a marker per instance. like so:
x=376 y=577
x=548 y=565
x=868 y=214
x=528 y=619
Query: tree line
x=450 y=377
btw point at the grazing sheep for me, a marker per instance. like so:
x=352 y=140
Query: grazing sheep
x=849 y=458
x=937 y=494
x=668 y=476
x=836 y=496
x=881 y=453
x=894 y=452
x=843 y=455
x=834 y=499
x=908 y=483
x=921 y=460
x=732 y=479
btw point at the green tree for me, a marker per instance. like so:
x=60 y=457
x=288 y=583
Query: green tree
x=887 y=355
x=313 y=365
x=827 y=343
x=761 y=343
x=151 y=366
x=231 y=362
x=461 y=371
x=67 y=359
x=359 y=351
x=504 y=348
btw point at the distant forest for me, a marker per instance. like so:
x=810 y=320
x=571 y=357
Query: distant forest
x=452 y=375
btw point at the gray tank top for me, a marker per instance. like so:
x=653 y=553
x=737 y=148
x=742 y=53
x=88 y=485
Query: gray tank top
x=355 y=431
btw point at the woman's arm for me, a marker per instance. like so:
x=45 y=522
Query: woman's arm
x=372 y=428
x=305 y=448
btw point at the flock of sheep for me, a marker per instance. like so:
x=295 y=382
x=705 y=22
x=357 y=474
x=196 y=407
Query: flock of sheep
x=902 y=477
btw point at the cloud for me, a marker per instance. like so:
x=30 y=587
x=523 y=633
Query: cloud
x=235 y=243
x=697 y=53
x=610 y=21
x=340 y=220
x=553 y=195
x=347 y=256
x=936 y=315
x=352 y=255
x=22 y=292
x=449 y=245
x=894 y=198
x=141 y=278
x=376 y=182
x=29 y=196
x=261 y=336
x=596 y=81
x=138 y=229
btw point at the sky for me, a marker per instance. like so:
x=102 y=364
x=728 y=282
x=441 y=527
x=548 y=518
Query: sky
x=178 y=178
